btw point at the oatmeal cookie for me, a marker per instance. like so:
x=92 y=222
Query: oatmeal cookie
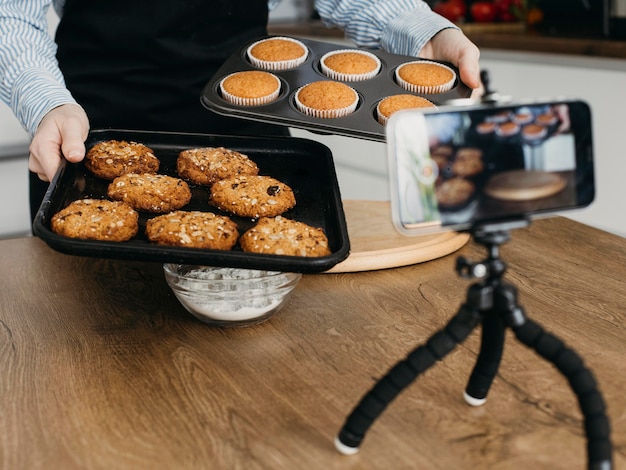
x=205 y=166
x=454 y=192
x=113 y=158
x=194 y=229
x=96 y=219
x=282 y=236
x=252 y=196
x=150 y=193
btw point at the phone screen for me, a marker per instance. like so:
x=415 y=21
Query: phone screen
x=462 y=167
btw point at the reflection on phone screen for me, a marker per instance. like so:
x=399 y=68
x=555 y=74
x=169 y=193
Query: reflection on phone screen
x=459 y=168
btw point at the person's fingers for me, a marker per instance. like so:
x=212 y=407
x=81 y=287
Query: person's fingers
x=73 y=146
x=469 y=68
x=61 y=133
x=44 y=158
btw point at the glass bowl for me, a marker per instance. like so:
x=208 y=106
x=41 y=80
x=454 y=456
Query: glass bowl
x=230 y=297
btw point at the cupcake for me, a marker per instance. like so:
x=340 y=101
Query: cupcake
x=500 y=117
x=278 y=53
x=486 y=127
x=534 y=131
x=425 y=77
x=350 y=65
x=546 y=119
x=507 y=129
x=523 y=117
x=389 y=105
x=250 y=88
x=326 y=99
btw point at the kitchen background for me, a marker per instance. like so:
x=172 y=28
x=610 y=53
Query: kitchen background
x=361 y=165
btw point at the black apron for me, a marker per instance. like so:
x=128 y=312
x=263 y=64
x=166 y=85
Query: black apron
x=142 y=64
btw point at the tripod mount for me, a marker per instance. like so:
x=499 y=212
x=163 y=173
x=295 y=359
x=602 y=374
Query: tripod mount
x=491 y=303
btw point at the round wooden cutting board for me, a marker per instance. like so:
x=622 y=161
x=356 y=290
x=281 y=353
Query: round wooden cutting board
x=524 y=185
x=375 y=243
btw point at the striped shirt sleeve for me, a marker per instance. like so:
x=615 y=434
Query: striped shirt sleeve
x=397 y=26
x=30 y=80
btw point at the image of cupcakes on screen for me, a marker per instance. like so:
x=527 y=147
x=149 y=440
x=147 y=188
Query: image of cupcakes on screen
x=350 y=65
x=546 y=119
x=507 y=129
x=250 y=88
x=277 y=53
x=426 y=77
x=534 y=132
x=326 y=99
x=391 y=104
x=485 y=127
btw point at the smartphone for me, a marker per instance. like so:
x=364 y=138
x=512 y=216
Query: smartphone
x=458 y=168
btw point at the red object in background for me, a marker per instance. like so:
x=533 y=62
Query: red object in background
x=484 y=12
x=453 y=10
x=505 y=9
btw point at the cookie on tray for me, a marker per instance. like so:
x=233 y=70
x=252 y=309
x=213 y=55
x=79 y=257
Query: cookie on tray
x=282 y=236
x=150 y=193
x=205 y=166
x=252 y=196
x=113 y=158
x=96 y=219
x=193 y=229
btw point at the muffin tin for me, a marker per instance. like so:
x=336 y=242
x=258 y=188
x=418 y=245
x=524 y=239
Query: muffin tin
x=305 y=165
x=362 y=123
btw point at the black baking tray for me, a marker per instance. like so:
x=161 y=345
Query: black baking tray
x=361 y=124
x=305 y=165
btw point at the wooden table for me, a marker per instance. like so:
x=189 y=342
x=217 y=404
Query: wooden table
x=102 y=368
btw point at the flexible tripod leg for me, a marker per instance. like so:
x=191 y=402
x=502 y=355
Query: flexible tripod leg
x=402 y=375
x=491 y=347
x=582 y=382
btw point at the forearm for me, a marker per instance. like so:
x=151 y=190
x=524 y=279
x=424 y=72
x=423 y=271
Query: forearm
x=398 y=26
x=31 y=82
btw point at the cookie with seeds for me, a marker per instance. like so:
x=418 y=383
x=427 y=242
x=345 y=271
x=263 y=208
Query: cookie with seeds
x=205 y=166
x=113 y=158
x=96 y=219
x=282 y=236
x=193 y=229
x=149 y=192
x=252 y=196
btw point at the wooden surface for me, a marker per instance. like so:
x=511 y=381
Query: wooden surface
x=103 y=369
x=375 y=243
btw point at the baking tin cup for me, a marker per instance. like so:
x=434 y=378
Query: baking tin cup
x=305 y=165
x=277 y=64
x=349 y=77
x=362 y=123
x=243 y=101
x=426 y=89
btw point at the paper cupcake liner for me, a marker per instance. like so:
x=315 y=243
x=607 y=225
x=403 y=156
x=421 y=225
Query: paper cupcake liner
x=425 y=89
x=277 y=64
x=241 y=101
x=326 y=113
x=349 y=77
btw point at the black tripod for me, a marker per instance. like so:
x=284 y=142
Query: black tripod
x=493 y=304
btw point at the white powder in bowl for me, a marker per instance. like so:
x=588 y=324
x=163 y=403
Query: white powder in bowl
x=252 y=294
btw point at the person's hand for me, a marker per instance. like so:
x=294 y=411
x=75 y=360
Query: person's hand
x=451 y=45
x=61 y=134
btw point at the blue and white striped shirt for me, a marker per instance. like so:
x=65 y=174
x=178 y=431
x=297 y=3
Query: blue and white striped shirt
x=32 y=84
